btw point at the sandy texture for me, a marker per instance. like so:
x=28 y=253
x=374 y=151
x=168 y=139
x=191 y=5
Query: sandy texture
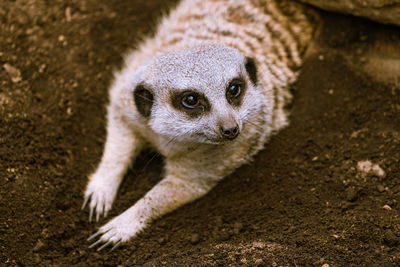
x=304 y=201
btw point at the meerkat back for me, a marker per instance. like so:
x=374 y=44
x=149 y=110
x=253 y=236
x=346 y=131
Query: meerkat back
x=207 y=91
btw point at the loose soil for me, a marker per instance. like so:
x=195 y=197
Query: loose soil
x=301 y=202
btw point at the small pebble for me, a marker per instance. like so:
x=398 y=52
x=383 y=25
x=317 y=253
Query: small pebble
x=367 y=167
x=68 y=14
x=39 y=245
x=13 y=72
x=387 y=207
x=194 y=239
x=237 y=227
x=61 y=38
x=258 y=262
x=390 y=239
x=352 y=195
x=377 y=171
x=162 y=240
x=36 y=258
x=225 y=236
x=42 y=68
x=380 y=188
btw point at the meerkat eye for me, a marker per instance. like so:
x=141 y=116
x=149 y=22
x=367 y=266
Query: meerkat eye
x=190 y=100
x=234 y=91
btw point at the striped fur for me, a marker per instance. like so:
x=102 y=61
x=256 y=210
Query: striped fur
x=274 y=33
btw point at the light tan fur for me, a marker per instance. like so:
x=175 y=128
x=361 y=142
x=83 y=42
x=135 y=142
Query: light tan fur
x=201 y=45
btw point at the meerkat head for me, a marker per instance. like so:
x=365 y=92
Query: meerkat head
x=205 y=94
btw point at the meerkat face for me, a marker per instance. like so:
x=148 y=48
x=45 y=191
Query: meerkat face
x=206 y=94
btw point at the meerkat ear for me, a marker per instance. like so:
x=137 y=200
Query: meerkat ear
x=251 y=69
x=143 y=100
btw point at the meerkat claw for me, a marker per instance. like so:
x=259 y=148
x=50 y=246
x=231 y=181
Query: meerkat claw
x=91 y=214
x=99 y=196
x=116 y=245
x=97 y=216
x=85 y=202
x=104 y=246
x=95 y=243
x=94 y=235
x=106 y=241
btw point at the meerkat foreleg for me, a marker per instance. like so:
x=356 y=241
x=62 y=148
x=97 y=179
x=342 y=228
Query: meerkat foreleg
x=120 y=148
x=169 y=194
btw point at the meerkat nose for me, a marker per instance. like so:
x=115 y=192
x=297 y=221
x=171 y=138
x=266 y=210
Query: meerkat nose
x=229 y=132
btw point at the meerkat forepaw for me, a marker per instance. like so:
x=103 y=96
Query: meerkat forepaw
x=101 y=197
x=116 y=232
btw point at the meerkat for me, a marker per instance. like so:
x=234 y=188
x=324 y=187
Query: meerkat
x=207 y=92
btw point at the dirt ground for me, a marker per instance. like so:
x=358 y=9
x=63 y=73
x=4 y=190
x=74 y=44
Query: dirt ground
x=304 y=201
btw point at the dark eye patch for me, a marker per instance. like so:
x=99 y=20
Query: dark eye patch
x=251 y=69
x=190 y=102
x=235 y=91
x=143 y=100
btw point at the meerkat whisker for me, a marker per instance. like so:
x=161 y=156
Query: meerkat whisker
x=260 y=129
x=145 y=98
x=157 y=154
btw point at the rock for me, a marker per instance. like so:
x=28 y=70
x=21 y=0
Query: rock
x=4 y=100
x=366 y=167
x=68 y=14
x=224 y=236
x=36 y=258
x=380 y=188
x=61 y=38
x=258 y=262
x=387 y=207
x=39 y=245
x=390 y=239
x=162 y=240
x=13 y=72
x=194 y=239
x=237 y=227
x=352 y=194
x=377 y=171
x=384 y=11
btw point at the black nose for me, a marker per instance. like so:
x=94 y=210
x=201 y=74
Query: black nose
x=229 y=132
